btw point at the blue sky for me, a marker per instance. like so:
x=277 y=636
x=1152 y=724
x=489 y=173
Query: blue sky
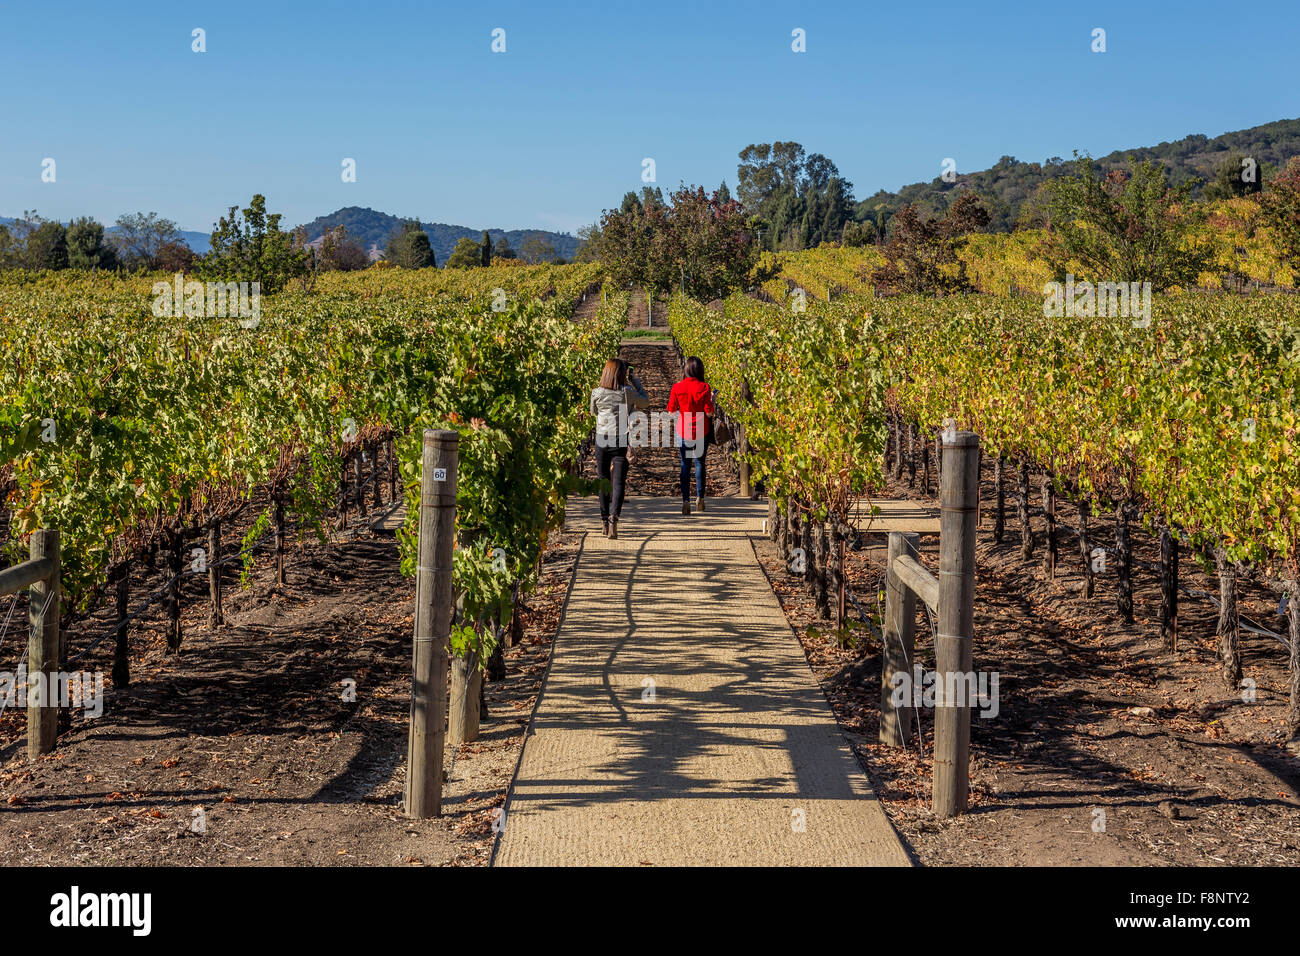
x=555 y=129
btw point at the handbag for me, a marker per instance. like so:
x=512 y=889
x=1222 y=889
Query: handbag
x=719 y=433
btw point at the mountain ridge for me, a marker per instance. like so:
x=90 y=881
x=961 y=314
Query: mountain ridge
x=1009 y=183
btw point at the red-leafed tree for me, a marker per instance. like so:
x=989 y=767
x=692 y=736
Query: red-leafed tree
x=698 y=241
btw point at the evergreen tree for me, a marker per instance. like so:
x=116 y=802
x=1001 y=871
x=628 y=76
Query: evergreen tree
x=466 y=255
x=86 y=248
x=409 y=247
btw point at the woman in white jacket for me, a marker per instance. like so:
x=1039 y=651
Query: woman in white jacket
x=612 y=401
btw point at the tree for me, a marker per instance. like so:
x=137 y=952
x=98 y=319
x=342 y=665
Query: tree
x=10 y=249
x=502 y=249
x=921 y=254
x=700 y=242
x=249 y=246
x=339 y=253
x=466 y=254
x=174 y=257
x=1234 y=177
x=1127 y=227
x=138 y=237
x=536 y=249
x=858 y=233
x=409 y=247
x=802 y=198
x=86 y=247
x=1280 y=206
x=46 y=247
x=486 y=249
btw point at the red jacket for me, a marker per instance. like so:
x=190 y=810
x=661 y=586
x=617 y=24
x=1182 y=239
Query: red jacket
x=689 y=397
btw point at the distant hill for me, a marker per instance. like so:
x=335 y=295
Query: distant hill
x=372 y=229
x=1010 y=182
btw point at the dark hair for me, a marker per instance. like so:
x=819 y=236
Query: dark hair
x=694 y=368
x=615 y=374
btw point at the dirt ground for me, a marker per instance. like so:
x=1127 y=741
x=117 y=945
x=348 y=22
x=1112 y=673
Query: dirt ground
x=242 y=748
x=1107 y=748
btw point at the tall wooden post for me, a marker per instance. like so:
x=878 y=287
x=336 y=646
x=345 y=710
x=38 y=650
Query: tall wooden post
x=43 y=649
x=956 y=625
x=433 y=600
x=899 y=638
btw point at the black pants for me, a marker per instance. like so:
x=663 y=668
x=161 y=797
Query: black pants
x=611 y=464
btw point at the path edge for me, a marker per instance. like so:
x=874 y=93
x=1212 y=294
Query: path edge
x=872 y=781
x=541 y=692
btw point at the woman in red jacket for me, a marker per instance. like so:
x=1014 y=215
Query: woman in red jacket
x=692 y=400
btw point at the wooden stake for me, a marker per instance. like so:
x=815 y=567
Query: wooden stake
x=1000 y=498
x=1085 y=547
x=1168 y=588
x=1124 y=560
x=279 y=540
x=121 y=653
x=1022 y=508
x=215 y=617
x=1049 y=513
x=392 y=469
x=955 y=630
x=172 y=603
x=899 y=628
x=466 y=684
x=358 y=484
x=433 y=601
x=1229 y=628
x=43 y=648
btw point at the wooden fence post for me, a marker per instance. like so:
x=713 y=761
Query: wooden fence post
x=956 y=624
x=43 y=649
x=433 y=600
x=899 y=638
